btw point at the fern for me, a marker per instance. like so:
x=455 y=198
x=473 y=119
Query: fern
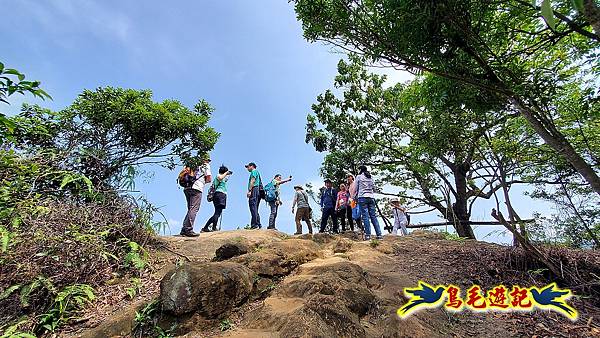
x=28 y=289
x=5 y=238
x=134 y=289
x=136 y=257
x=66 y=305
x=6 y=293
x=12 y=331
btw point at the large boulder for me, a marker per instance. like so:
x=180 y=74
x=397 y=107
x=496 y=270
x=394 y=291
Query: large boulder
x=210 y=289
x=279 y=259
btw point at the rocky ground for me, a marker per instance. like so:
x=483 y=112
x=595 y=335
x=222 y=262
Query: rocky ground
x=267 y=284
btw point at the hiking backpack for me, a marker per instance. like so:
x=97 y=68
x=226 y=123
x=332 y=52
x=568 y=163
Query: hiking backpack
x=270 y=192
x=211 y=192
x=186 y=177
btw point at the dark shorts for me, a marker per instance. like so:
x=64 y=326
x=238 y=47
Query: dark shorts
x=220 y=199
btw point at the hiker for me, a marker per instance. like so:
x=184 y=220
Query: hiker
x=328 y=198
x=400 y=219
x=254 y=185
x=272 y=192
x=355 y=211
x=193 y=182
x=366 y=202
x=219 y=197
x=303 y=212
x=343 y=208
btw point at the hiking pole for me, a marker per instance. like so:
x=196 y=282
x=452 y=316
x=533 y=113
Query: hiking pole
x=388 y=226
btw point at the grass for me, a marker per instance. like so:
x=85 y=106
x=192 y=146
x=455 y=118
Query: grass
x=225 y=325
x=452 y=236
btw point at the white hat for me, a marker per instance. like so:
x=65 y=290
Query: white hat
x=394 y=200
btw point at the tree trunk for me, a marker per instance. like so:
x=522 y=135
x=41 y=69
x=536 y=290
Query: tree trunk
x=530 y=248
x=560 y=144
x=591 y=12
x=511 y=211
x=460 y=215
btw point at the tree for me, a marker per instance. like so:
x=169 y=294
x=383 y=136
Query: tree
x=107 y=132
x=499 y=46
x=12 y=81
x=587 y=8
x=426 y=136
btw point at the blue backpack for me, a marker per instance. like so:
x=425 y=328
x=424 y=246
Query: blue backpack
x=270 y=192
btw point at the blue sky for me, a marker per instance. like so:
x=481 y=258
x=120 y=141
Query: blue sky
x=249 y=61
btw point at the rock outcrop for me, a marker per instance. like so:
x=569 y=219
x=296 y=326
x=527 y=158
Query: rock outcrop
x=231 y=249
x=210 y=289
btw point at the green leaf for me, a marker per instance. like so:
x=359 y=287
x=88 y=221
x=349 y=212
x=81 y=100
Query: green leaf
x=12 y=71
x=5 y=237
x=8 y=124
x=578 y=4
x=1 y=67
x=548 y=14
x=9 y=291
x=66 y=180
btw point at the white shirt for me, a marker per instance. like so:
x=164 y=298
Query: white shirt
x=201 y=174
x=364 y=185
x=399 y=215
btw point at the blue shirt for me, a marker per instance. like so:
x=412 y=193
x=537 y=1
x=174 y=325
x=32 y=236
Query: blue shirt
x=328 y=198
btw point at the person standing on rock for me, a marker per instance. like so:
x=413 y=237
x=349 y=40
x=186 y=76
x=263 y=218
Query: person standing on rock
x=219 y=198
x=303 y=212
x=193 y=197
x=400 y=219
x=254 y=184
x=365 y=194
x=274 y=204
x=328 y=198
x=354 y=211
x=343 y=208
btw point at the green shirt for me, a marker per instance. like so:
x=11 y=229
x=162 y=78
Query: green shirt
x=220 y=185
x=277 y=184
x=254 y=173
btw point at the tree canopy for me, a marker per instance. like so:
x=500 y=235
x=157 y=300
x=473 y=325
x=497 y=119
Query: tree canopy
x=505 y=48
x=108 y=132
x=430 y=138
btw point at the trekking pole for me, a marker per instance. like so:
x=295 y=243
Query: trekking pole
x=388 y=225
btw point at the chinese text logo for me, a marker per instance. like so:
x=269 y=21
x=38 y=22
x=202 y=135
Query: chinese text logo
x=499 y=298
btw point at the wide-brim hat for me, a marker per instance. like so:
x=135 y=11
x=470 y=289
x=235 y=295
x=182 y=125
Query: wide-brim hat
x=394 y=200
x=298 y=187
